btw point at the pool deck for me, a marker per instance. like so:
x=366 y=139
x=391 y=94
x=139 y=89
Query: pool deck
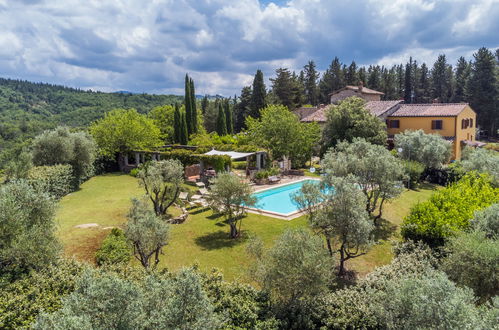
x=284 y=181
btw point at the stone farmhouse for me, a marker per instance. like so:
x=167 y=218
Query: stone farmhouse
x=455 y=122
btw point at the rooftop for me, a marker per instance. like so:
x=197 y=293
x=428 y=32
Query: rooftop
x=364 y=90
x=376 y=108
x=430 y=110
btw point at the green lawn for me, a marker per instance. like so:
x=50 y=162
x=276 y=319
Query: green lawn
x=203 y=238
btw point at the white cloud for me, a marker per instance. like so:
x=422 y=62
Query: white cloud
x=150 y=45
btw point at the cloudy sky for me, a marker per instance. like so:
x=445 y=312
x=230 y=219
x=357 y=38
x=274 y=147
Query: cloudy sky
x=149 y=45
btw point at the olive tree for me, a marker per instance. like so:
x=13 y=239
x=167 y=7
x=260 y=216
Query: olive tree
x=61 y=146
x=487 y=221
x=429 y=149
x=349 y=120
x=162 y=181
x=27 y=230
x=473 y=260
x=482 y=160
x=147 y=232
x=378 y=173
x=230 y=195
x=337 y=212
x=107 y=301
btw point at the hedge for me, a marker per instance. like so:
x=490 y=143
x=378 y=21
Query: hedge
x=115 y=249
x=187 y=157
x=449 y=211
x=56 y=180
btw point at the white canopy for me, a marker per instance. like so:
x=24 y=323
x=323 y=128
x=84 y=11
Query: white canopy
x=231 y=154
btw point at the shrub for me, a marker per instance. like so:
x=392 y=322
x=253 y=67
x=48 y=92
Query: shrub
x=239 y=165
x=134 y=172
x=56 y=180
x=449 y=210
x=487 y=221
x=115 y=249
x=473 y=261
x=413 y=169
x=483 y=161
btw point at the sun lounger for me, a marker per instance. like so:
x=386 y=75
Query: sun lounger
x=204 y=191
x=274 y=179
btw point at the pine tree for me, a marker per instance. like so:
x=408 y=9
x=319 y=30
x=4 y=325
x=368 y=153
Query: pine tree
x=242 y=109
x=177 y=124
x=258 y=96
x=283 y=86
x=194 y=111
x=362 y=74
x=184 y=134
x=187 y=102
x=331 y=81
x=462 y=75
x=310 y=83
x=228 y=117
x=400 y=80
x=408 y=87
x=424 y=85
x=440 y=80
x=482 y=90
x=221 y=122
x=388 y=84
x=374 y=77
x=352 y=78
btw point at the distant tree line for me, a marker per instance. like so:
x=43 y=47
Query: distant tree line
x=475 y=81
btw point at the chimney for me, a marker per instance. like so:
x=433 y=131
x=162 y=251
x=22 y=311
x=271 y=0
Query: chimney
x=361 y=85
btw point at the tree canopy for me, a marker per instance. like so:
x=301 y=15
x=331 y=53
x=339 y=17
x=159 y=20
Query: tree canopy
x=122 y=131
x=350 y=119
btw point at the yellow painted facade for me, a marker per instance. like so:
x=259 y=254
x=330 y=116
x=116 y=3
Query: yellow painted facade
x=451 y=127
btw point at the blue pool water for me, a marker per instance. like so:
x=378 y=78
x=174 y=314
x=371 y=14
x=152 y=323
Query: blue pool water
x=279 y=199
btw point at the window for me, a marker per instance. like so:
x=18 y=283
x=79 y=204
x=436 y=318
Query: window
x=394 y=124
x=436 y=124
x=471 y=122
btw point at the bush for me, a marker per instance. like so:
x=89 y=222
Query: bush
x=487 y=221
x=56 y=180
x=239 y=165
x=134 y=172
x=115 y=249
x=413 y=169
x=449 y=210
x=473 y=261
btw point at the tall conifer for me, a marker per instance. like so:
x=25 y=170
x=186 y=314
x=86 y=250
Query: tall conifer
x=228 y=117
x=184 y=134
x=259 y=93
x=177 y=123
x=187 y=102
x=194 y=111
x=221 y=122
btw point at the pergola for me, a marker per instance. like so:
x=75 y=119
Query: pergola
x=260 y=156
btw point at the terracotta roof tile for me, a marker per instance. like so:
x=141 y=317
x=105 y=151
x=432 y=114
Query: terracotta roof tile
x=365 y=90
x=376 y=108
x=430 y=110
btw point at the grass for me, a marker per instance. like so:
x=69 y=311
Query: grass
x=204 y=238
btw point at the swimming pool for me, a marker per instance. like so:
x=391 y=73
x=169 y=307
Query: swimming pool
x=278 y=199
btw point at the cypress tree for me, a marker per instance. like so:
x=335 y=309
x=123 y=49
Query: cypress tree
x=183 y=138
x=204 y=104
x=331 y=81
x=242 y=108
x=194 y=111
x=258 y=95
x=424 y=85
x=228 y=117
x=221 y=122
x=187 y=102
x=374 y=77
x=177 y=123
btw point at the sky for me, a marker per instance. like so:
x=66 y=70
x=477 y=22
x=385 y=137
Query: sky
x=149 y=45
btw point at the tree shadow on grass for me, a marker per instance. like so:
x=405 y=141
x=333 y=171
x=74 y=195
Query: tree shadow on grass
x=219 y=239
x=384 y=230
